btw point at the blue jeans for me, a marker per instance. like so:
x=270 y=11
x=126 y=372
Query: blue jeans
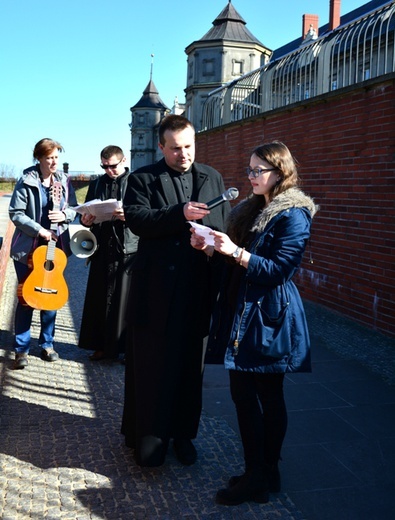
x=23 y=320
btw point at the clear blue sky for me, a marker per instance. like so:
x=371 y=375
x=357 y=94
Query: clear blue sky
x=71 y=69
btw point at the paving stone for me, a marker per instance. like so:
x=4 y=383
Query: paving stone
x=63 y=456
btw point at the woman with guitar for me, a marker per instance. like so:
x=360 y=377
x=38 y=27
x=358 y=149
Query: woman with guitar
x=41 y=211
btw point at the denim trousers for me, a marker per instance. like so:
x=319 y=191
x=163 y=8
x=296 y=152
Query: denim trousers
x=23 y=320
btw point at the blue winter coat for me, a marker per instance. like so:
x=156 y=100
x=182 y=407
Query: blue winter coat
x=267 y=331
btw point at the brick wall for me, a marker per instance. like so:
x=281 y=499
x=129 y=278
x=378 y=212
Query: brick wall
x=345 y=145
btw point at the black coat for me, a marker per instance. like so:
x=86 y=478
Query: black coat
x=102 y=188
x=173 y=289
x=103 y=325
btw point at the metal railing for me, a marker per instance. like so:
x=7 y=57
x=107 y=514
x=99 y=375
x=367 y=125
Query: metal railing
x=358 y=51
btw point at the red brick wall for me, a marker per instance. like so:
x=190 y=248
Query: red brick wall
x=345 y=145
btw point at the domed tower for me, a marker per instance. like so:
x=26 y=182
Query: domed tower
x=146 y=116
x=226 y=52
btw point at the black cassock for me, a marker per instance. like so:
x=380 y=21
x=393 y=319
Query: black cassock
x=173 y=286
x=103 y=325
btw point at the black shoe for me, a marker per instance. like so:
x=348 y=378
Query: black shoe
x=151 y=451
x=185 y=451
x=20 y=361
x=48 y=354
x=273 y=478
x=98 y=355
x=250 y=487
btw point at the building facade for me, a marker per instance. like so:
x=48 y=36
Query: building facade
x=226 y=52
x=146 y=116
x=349 y=49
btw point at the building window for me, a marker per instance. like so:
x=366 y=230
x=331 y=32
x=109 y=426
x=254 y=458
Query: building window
x=237 y=67
x=208 y=67
x=141 y=139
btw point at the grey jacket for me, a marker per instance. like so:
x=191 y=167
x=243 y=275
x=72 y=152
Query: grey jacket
x=25 y=213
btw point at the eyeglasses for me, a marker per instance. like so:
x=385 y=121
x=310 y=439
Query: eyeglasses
x=256 y=172
x=112 y=166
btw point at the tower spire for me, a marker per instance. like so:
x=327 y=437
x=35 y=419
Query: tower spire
x=152 y=66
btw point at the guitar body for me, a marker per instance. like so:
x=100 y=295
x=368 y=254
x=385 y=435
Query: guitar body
x=45 y=288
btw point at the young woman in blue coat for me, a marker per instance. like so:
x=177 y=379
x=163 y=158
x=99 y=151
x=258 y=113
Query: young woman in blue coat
x=260 y=320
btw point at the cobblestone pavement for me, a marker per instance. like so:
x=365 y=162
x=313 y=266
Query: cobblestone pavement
x=62 y=454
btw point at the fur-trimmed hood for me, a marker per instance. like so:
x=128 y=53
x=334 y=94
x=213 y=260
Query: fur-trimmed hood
x=291 y=198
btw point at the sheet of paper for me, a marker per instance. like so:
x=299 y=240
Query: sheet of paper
x=102 y=209
x=203 y=231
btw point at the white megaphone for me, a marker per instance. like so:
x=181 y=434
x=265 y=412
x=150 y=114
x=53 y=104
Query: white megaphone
x=83 y=243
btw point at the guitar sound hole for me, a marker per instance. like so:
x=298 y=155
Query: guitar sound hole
x=49 y=265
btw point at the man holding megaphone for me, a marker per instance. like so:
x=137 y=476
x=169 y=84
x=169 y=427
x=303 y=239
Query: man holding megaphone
x=110 y=246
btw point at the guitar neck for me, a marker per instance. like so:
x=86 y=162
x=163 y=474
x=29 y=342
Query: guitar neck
x=51 y=250
x=56 y=196
x=54 y=225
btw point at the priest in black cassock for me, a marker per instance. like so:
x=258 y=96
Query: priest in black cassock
x=172 y=292
x=103 y=327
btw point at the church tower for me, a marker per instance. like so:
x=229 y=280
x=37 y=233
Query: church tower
x=146 y=116
x=226 y=52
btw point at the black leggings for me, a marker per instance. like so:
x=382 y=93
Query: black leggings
x=261 y=414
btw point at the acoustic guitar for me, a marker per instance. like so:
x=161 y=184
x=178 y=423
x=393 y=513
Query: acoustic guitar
x=45 y=287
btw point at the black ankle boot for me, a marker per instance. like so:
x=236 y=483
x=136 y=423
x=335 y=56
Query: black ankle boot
x=252 y=486
x=273 y=478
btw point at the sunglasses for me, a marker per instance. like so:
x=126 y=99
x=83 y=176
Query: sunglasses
x=110 y=166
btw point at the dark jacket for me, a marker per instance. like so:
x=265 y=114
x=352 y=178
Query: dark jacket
x=104 y=323
x=98 y=189
x=266 y=331
x=172 y=294
x=165 y=255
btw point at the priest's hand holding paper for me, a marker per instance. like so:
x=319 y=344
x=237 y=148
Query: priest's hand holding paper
x=87 y=219
x=119 y=214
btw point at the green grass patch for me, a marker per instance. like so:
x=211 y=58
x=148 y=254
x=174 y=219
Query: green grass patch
x=80 y=192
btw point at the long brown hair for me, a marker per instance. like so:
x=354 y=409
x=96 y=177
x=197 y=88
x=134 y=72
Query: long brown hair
x=277 y=155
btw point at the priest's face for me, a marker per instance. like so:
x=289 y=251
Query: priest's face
x=179 y=149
